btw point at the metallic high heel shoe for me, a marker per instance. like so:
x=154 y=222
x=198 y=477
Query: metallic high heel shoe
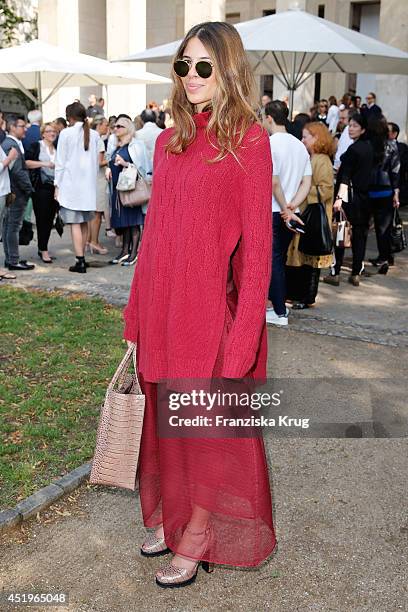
x=154 y=546
x=170 y=576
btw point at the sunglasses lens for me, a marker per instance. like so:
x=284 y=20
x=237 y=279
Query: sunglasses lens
x=204 y=69
x=181 y=68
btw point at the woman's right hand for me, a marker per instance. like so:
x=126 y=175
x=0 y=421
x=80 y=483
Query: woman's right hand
x=338 y=203
x=108 y=174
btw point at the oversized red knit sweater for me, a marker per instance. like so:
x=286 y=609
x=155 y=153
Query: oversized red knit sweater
x=198 y=213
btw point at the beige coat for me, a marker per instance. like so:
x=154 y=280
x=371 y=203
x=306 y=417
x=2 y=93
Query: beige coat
x=322 y=175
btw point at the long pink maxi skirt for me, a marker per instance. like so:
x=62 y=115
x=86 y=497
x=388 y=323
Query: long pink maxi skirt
x=225 y=478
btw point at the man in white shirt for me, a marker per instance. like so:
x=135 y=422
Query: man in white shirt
x=149 y=132
x=345 y=141
x=292 y=178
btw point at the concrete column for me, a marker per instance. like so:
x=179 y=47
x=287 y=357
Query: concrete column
x=392 y=91
x=125 y=34
x=247 y=9
x=304 y=96
x=197 y=11
x=165 y=23
x=334 y=83
x=92 y=38
x=58 y=25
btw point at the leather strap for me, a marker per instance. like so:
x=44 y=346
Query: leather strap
x=123 y=367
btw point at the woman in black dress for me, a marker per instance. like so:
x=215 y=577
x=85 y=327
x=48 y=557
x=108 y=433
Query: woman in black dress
x=353 y=182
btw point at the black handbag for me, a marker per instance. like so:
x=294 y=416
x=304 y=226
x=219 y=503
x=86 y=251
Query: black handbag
x=398 y=235
x=26 y=233
x=317 y=239
x=35 y=178
x=59 y=224
x=35 y=173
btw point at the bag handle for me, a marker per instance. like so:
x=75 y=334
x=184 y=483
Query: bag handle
x=319 y=199
x=117 y=202
x=139 y=175
x=343 y=216
x=130 y=355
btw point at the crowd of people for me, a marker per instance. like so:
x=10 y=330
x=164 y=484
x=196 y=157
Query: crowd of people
x=69 y=169
x=354 y=166
x=344 y=155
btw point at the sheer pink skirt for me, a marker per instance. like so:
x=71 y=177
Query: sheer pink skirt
x=226 y=480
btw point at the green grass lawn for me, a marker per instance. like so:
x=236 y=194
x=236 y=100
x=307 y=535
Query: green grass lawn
x=57 y=356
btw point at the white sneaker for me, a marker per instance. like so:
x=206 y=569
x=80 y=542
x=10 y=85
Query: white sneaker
x=274 y=319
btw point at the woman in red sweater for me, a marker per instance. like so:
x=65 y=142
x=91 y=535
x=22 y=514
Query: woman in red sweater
x=197 y=308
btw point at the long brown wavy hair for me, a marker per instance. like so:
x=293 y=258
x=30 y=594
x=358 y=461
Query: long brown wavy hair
x=235 y=100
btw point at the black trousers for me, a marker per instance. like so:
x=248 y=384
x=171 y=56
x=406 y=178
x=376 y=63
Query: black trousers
x=382 y=210
x=45 y=209
x=358 y=247
x=280 y=244
x=302 y=283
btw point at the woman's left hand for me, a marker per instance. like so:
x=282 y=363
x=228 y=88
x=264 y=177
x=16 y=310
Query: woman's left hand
x=119 y=161
x=396 y=201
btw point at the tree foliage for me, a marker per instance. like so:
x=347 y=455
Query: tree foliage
x=18 y=22
x=9 y=23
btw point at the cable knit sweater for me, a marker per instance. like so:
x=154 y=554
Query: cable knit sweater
x=202 y=215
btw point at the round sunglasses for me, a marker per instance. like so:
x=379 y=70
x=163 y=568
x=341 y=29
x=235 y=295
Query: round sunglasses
x=203 y=68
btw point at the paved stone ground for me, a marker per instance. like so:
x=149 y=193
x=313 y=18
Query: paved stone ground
x=375 y=312
x=339 y=504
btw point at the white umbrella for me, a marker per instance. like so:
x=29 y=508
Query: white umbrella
x=38 y=65
x=294 y=44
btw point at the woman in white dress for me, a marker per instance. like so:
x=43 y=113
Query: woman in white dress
x=76 y=172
